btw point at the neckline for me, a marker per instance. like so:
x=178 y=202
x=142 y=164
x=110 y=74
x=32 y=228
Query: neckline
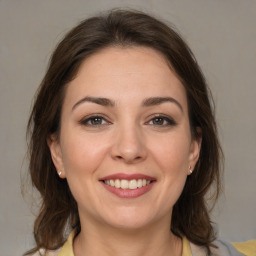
x=67 y=248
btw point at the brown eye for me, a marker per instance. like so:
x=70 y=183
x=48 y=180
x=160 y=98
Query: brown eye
x=94 y=121
x=162 y=121
x=158 y=121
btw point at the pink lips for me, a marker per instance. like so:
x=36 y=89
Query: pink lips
x=128 y=193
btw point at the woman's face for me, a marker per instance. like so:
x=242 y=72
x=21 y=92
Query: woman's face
x=125 y=123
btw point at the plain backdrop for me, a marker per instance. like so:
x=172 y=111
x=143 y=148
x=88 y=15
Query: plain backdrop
x=222 y=36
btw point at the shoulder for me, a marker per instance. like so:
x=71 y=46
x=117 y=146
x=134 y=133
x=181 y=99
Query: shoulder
x=227 y=249
x=42 y=252
x=247 y=248
x=66 y=249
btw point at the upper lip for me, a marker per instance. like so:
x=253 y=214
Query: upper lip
x=124 y=176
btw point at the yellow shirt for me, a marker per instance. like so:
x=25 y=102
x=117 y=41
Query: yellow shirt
x=246 y=248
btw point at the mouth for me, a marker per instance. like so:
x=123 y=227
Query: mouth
x=128 y=186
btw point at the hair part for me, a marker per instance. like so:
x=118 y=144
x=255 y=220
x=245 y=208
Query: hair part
x=121 y=28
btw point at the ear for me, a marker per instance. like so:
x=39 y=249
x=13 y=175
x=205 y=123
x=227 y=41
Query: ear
x=195 y=148
x=56 y=154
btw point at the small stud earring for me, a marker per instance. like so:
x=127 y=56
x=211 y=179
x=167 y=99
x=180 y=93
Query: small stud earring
x=190 y=169
x=59 y=173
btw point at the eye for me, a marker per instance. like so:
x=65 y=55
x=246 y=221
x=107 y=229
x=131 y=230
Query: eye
x=94 y=121
x=162 y=121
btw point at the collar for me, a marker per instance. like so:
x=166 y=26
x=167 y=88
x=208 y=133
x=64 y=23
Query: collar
x=67 y=249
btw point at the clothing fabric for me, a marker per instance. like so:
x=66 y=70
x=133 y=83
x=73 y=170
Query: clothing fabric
x=189 y=249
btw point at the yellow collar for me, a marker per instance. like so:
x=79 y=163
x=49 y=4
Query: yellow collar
x=67 y=249
x=247 y=248
x=186 y=250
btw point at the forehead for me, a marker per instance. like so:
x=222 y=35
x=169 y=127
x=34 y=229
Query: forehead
x=125 y=60
x=132 y=71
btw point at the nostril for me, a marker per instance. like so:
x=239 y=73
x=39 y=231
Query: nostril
x=128 y=152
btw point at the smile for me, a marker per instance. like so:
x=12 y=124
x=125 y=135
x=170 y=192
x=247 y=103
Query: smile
x=127 y=184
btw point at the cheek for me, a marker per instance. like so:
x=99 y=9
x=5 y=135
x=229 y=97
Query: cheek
x=171 y=156
x=82 y=157
x=82 y=154
x=172 y=153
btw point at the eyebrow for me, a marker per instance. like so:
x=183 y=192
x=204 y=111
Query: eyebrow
x=146 y=103
x=159 y=100
x=100 y=101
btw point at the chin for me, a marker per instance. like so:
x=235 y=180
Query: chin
x=129 y=225
x=132 y=219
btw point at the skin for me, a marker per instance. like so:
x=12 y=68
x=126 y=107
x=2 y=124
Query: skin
x=129 y=138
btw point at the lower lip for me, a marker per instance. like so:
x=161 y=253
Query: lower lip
x=128 y=193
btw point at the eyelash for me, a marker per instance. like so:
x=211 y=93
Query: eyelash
x=94 y=117
x=164 y=121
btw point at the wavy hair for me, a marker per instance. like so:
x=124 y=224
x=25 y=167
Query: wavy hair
x=121 y=28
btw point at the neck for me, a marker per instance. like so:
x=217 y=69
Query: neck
x=103 y=240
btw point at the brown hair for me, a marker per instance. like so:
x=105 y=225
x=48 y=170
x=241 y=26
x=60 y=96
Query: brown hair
x=121 y=28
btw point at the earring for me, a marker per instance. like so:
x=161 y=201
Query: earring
x=190 y=169
x=59 y=173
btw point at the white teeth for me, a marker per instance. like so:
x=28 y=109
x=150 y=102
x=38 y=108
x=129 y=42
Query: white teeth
x=124 y=184
x=132 y=184
x=127 y=184
x=117 y=183
x=139 y=183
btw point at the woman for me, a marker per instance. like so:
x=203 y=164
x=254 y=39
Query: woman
x=123 y=144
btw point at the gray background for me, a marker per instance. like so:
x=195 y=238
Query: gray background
x=222 y=35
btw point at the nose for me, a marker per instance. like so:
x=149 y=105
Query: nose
x=129 y=145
